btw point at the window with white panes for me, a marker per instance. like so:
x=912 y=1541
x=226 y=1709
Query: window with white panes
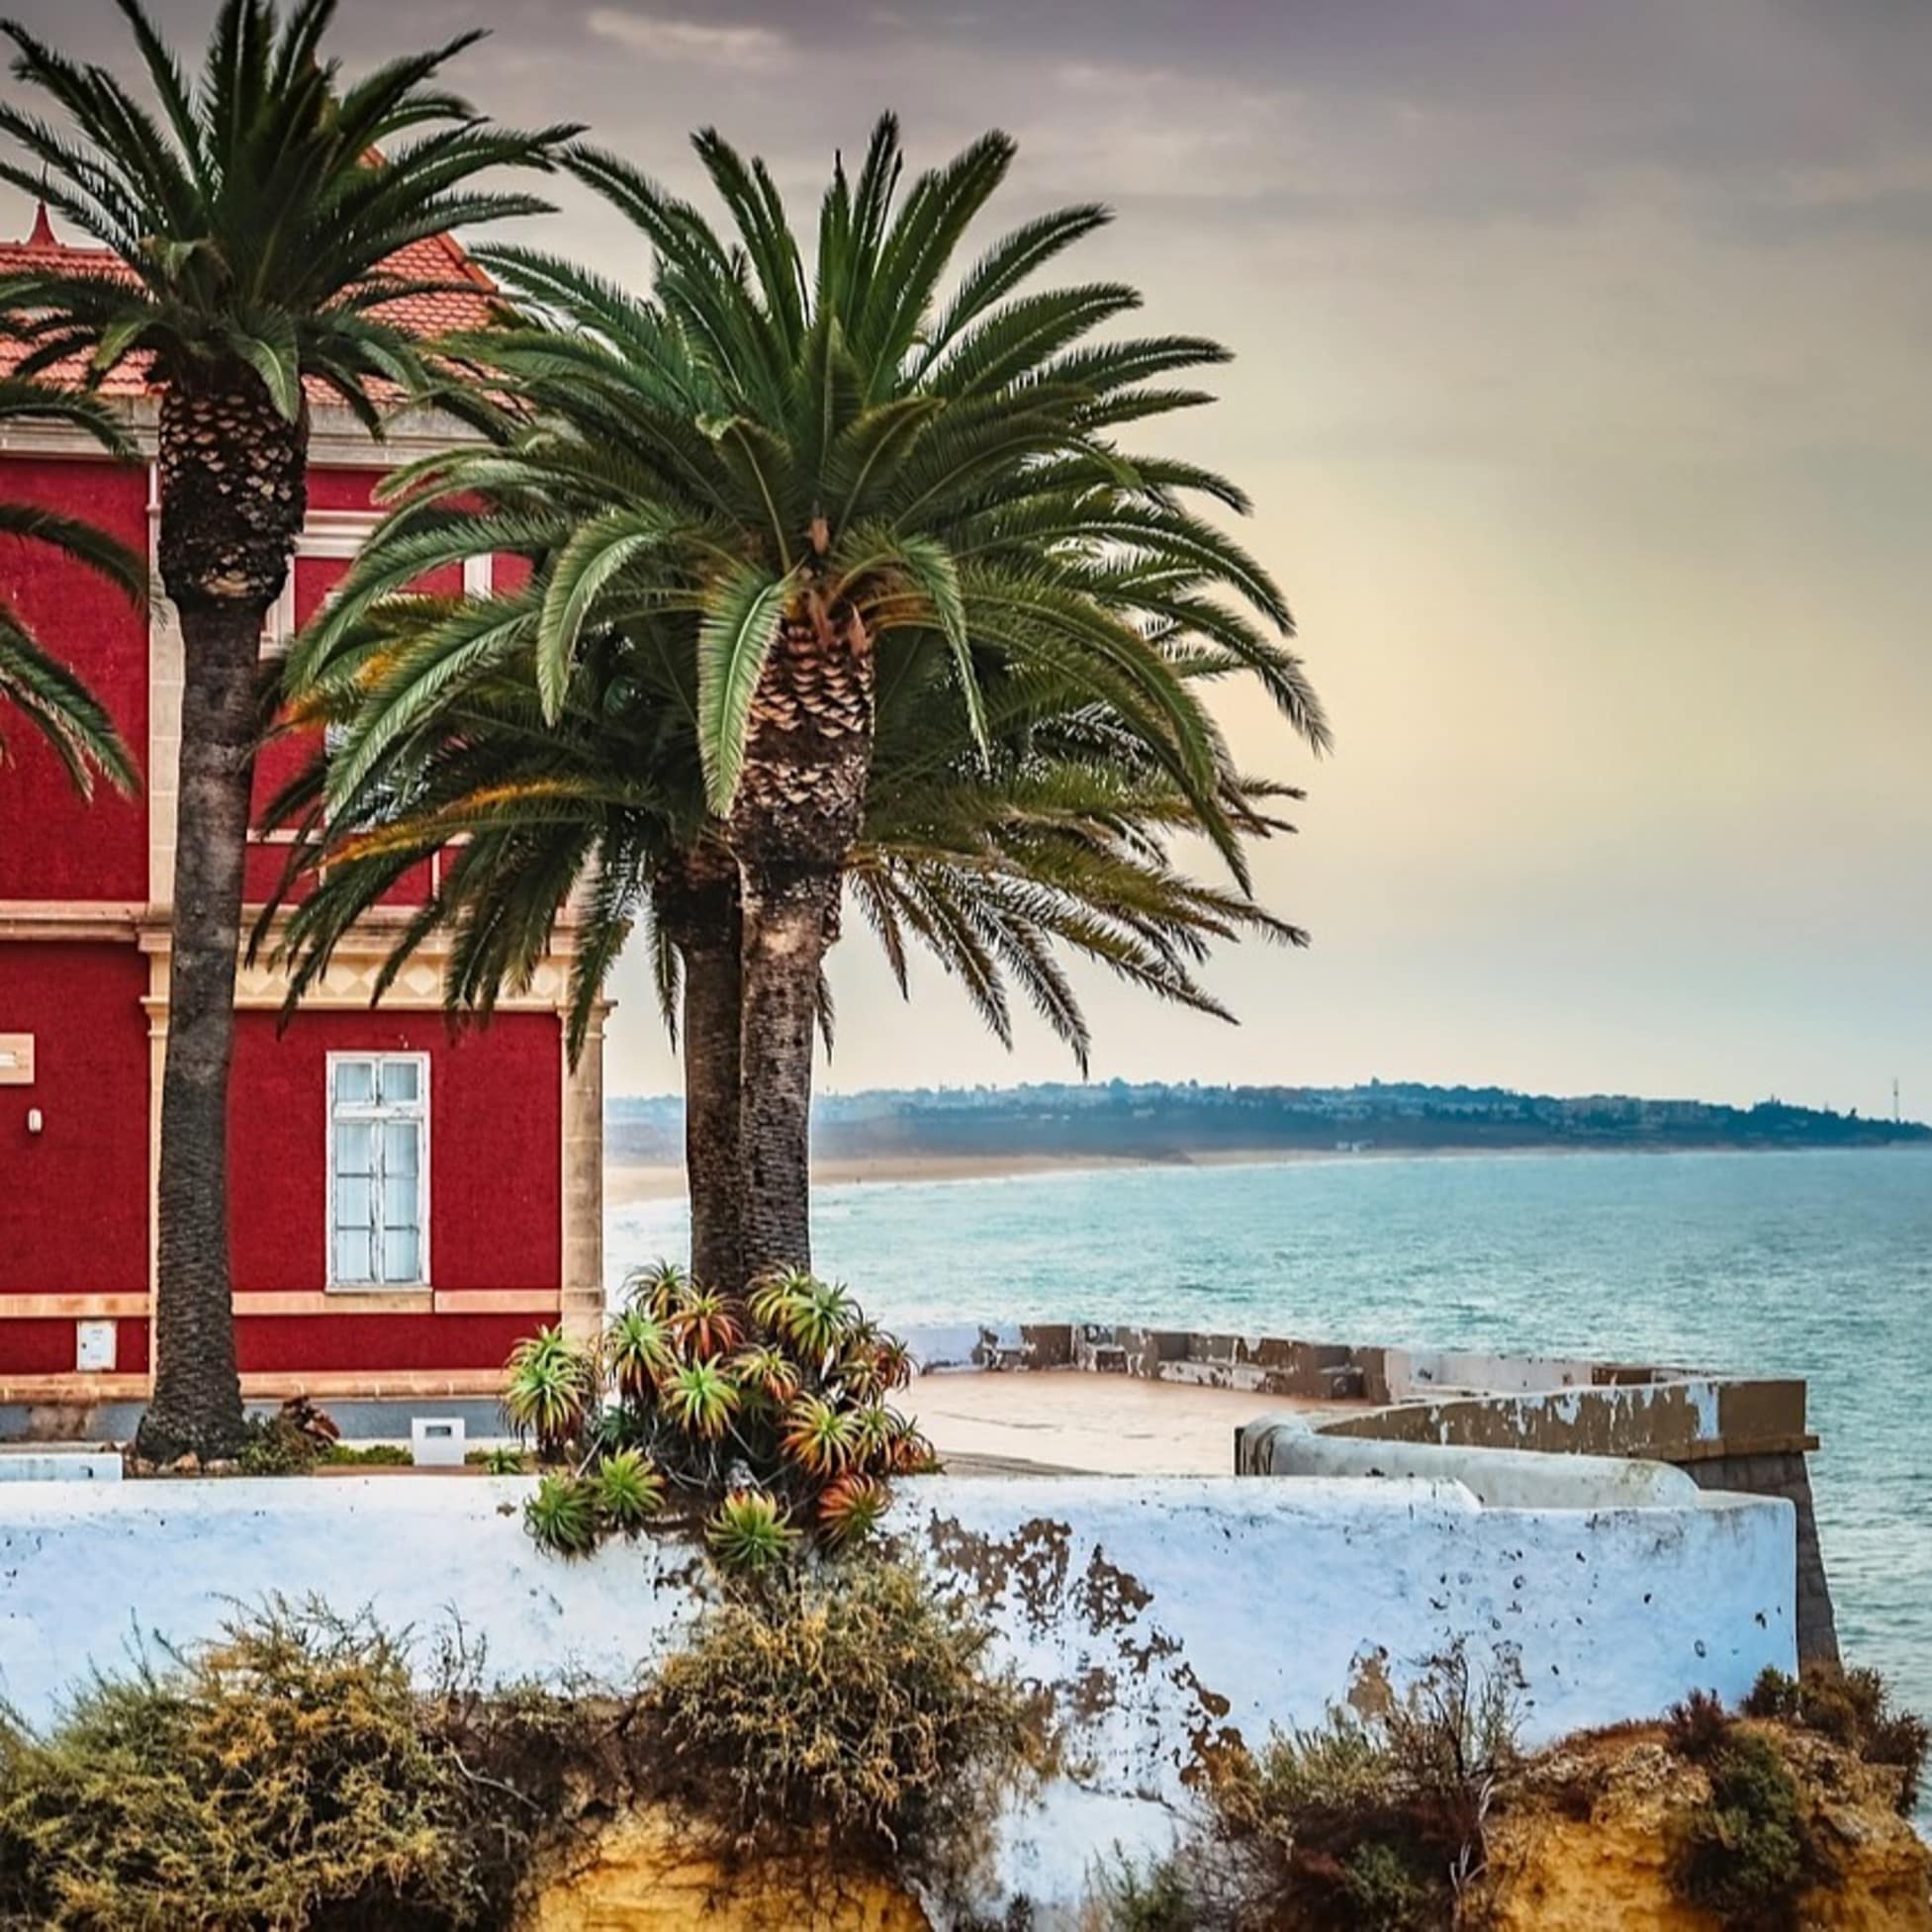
x=378 y=1171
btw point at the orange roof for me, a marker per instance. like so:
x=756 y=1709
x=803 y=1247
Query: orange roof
x=435 y=258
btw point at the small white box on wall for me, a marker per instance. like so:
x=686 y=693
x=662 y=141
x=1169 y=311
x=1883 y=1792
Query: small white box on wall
x=94 y=1347
x=438 y=1441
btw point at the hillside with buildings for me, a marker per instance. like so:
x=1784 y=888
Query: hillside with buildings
x=1118 y=1120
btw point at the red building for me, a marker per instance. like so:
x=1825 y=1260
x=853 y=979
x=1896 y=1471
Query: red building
x=406 y=1201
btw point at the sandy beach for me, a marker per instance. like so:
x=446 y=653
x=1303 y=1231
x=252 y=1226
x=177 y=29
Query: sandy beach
x=626 y=1184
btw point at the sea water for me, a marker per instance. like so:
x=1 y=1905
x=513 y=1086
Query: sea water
x=1813 y=1264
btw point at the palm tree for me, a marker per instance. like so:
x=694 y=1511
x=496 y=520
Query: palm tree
x=1055 y=841
x=845 y=485
x=43 y=688
x=245 y=228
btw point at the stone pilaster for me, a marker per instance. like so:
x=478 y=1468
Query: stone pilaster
x=582 y=1186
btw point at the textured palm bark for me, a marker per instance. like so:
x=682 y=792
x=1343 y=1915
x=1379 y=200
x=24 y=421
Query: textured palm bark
x=787 y=915
x=697 y=906
x=232 y=500
x=800 y=797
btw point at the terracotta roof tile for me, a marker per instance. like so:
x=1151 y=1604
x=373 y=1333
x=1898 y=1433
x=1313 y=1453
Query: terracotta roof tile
x=435 y=258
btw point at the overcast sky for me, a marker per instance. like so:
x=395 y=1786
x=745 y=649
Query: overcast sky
x=1583 y=387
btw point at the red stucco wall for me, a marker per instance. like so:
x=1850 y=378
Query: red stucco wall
x=73 y=1198
x=305 y=1343
x=343 y=489
x=51 y=845
x=496 y=1107
x=286 y=754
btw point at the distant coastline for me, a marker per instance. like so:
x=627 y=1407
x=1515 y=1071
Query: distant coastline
x=984 y=1133
x=631 y=1183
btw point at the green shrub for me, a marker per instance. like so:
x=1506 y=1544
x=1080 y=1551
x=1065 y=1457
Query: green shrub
x=1903 y=1739
x=282 y=1777
x=1377 y=1821
x=849 y=1702
x=1123 y=1897
x=1854 y=1709
x=289 y=1442
x=1744 y=1855
x=1773 y=1698
x=270 y=1447
x=1700 y=1726
x=1341 y=1768
x=1841 y=1705
x=371 y=1455
x=499 y=1460
x=1385 y=1891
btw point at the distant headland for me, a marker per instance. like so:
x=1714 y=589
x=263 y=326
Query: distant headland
x=906 y=1132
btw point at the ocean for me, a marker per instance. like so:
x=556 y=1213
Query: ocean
x=1814 y=1264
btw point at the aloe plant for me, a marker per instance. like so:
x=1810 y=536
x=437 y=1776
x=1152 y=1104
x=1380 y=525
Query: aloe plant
x=779 y=1400
x=751 y=1531
x=817 y=1436
x=813 y=1315
x=771 y=1291
x=851 y=1509
x=893 y=1360
x=701 y=1398
x=552 y=1392
x=765 y=1372
x=563 y=1515
x=704 y=1323
x=641 y=1349
x=874 y=1433
x=629 y=1491
x=656 y=1288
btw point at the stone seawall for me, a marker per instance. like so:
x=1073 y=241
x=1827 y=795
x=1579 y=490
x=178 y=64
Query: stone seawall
x=1743 y=1434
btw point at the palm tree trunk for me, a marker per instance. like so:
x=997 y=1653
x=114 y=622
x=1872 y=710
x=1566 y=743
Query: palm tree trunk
x=232 y=500
x=698 y=905
x=801 y=792
x=197 y=1402
x=712 y=1157
x=789 y=928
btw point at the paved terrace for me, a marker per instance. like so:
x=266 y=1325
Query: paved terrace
x=1064 y=1421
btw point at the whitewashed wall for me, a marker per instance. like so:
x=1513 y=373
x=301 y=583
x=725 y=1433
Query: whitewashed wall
x=1165 y=1612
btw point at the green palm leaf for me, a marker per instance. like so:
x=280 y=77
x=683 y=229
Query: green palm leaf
x=739 y=626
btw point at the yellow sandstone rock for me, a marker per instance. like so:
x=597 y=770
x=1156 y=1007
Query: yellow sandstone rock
x=648 y=1871
x=1591 y=1849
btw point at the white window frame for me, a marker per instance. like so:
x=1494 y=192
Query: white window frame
x=377 y=1112
x=339 y=533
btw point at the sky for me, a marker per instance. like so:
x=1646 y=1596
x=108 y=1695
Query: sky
x=1583 y=384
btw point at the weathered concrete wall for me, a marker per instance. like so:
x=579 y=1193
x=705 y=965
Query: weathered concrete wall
x=1265 y=1364
x=1413 y=1372
x=1516 y=1479
x=1677 y=1420
x=1744 y=1437
x=1164 y=1616
x=1788 y=1476
x=1279 y=1365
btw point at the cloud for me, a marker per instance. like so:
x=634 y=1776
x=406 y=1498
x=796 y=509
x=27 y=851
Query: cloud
x=667 y=38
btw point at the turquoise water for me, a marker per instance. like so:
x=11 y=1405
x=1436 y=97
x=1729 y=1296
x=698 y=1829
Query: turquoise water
x=1811 y=1265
